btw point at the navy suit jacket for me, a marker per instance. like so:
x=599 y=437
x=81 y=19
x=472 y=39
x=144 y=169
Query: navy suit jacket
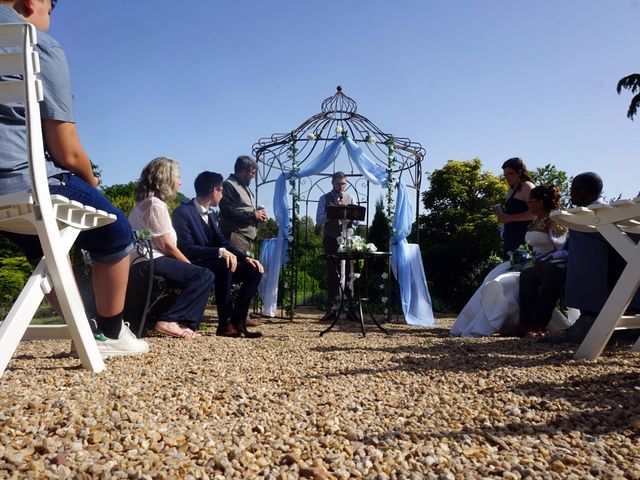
x=200 y=242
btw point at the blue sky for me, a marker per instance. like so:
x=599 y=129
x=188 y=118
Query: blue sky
x=202 y=81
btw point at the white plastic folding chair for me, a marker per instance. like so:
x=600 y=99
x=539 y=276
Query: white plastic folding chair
x=56 y=220
x=614 y=221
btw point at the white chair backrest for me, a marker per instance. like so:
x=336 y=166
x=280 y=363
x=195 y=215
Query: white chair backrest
x=614 y=221
x=57 y=227
x=20 y=62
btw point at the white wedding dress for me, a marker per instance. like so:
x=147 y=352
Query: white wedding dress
x=494 y=305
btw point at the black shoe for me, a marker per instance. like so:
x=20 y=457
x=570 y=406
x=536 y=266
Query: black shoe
x=624 y=337
x=574 y=335
x=330 y=315
x=560 y=340
x=248 y=334
x=227 y=331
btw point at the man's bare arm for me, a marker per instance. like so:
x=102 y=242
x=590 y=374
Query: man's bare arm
x=63 y=144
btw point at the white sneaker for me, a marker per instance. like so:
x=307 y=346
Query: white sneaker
x=126 y=344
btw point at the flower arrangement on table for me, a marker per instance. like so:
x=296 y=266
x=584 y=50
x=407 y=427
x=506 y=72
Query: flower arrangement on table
x=354 y=243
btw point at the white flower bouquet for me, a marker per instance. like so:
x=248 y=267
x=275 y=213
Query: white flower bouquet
x=354 y=243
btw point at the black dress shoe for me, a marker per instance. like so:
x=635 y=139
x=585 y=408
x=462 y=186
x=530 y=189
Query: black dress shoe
x=330 y=315
x=574 y=335
x=624 y=337
x=248 y=334
x=228 y=331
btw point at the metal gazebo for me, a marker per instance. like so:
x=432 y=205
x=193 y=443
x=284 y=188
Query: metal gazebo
x=284 y=152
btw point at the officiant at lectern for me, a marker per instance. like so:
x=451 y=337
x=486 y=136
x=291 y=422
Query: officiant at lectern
x=333 y=228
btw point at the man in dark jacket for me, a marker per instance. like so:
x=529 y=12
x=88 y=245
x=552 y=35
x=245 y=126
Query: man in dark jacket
x=202 y=242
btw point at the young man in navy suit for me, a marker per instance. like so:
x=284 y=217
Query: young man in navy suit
x=202 y=241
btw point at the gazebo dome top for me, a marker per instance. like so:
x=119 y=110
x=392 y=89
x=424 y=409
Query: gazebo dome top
x=274 y=154
x=339 y=106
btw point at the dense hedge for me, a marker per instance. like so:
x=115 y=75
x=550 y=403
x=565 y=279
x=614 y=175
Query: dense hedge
x=14 y=272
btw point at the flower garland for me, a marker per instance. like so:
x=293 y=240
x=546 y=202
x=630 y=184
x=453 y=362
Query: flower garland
x=391 y=183
x=370 y=139
x=288 y=290
x=385 y=299
x=391 y=164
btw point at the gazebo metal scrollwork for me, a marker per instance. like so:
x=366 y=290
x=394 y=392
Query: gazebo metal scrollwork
x=282 y=152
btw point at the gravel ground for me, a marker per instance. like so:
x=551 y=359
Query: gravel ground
x=415 y=404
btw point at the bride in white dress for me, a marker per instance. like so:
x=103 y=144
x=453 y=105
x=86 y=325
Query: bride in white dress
x=494 y=305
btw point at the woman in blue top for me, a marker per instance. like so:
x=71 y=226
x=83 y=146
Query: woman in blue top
x=515 y=216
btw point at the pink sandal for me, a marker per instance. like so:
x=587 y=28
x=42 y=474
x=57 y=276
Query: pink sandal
x=173 y=329
x=191 y=332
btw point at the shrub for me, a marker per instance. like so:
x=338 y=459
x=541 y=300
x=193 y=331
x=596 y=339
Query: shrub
x=307 y=286
x=459 y=232
x=14 y=272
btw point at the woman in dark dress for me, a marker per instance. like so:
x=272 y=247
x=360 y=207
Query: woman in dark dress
x=515 y=216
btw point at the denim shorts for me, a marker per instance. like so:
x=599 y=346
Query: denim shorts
x=108 y=244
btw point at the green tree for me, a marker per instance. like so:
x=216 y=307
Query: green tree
x=120 y=189
x=309 y=234
x=379 y=234
x=268 y=229
x=97 y=171
x=180 y=197
x=631 y=82
x=459 y=234
x=8 y=248
x=310 y=266
x=123 y=196
x=379 y=230
x=548 y=175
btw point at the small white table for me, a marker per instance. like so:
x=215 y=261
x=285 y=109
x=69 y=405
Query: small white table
x=613 y=221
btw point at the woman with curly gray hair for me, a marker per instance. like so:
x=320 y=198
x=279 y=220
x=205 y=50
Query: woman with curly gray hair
x=159 y=183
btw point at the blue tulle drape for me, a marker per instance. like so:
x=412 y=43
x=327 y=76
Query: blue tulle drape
x=406 y=262
x=414 y=293
x=281 y=212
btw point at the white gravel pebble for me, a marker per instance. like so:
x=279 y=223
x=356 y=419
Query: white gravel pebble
x=413 y=405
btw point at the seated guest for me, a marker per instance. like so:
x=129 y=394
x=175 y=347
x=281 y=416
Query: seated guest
x=158 y=183
x=540 y=285
x=593 y=265
x=239 y=216
x=70 y=174
x=202 y=241
x=494 y=306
